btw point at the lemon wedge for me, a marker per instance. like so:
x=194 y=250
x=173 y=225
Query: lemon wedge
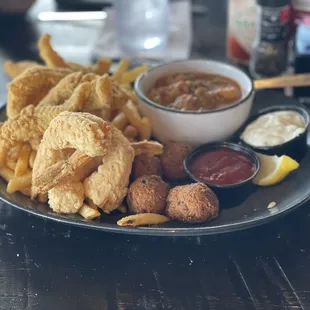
x=274 y=169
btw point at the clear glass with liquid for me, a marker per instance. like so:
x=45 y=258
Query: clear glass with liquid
x=142 y=25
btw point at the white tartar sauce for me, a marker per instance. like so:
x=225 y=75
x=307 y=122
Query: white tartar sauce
x=274 y=128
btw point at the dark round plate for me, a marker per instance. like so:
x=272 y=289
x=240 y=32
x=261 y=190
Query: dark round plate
x=251 y=210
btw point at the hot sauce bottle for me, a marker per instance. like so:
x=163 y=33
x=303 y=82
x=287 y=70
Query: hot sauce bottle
x=241 y=29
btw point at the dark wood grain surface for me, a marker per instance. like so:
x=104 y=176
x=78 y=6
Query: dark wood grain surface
x=46 y=265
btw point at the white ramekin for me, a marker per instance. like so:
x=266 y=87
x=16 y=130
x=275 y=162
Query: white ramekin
x=190 y=127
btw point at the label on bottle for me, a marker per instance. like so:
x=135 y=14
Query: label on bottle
x=274 y=23
x=302 y=40
x=241 y=29
x=301 y=5
x=300 y=9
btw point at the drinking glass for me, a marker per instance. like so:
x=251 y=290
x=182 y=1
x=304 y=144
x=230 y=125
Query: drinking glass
x=142 y=25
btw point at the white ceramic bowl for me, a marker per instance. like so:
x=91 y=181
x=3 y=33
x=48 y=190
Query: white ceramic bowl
x=191 y=127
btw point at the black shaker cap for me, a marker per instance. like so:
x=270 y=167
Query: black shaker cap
x=273 y=3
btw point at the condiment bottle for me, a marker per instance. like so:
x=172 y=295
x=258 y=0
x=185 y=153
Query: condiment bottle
x=300 y=10
x=302 y=57
x=241 y=28
x=270 y=49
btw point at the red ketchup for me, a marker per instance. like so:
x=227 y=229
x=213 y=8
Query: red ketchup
x=222 y=167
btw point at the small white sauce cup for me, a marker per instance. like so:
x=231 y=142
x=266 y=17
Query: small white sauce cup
x=192 y=127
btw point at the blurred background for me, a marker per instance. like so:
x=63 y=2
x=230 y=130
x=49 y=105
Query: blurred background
x=161 y=30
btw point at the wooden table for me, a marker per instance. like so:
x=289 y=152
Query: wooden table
x=47 y=265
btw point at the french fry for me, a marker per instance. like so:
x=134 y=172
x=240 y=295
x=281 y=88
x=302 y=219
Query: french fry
x=103 y=65
x=42 y=197
x=90 y=203
x=14 y=152
x=11 y=164
x=3 y=155
x=23 y=160
x=32 y=157
x=35 y=144
x=122 y=208
x=13 y=69
x=126 y=87
x=143 y=125
x=143 y=219
x=6 y=173
x=145 y=129
x=51 y=58
x=130 y=109
x=130 y=94
x=26 y=192
x=120 y=70
x=120 y=121
x=130 y=132
x=88 y=212
x=150 y=148
x=130 y=76
x=20 y=182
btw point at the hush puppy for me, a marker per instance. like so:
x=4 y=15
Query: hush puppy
x=147 y=194
x=193 y=203
x=146 y=165
x=172 y=161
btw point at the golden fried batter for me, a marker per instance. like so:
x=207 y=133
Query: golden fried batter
x=108 y=186
x=31 y=86
x=14 y=69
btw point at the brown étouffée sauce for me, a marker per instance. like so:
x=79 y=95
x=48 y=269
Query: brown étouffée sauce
x=222 y=167
x=195 y=91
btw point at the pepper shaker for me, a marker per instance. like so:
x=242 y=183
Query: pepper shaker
x=270 y=50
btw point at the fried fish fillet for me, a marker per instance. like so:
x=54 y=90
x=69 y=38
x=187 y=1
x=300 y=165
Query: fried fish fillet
x=91 y=137
x=87 y=134
x=14 y=69
x=103 y=93
x=31 y=86
x=108 y=186
x=32 y=121
x=66 y=198
x=63 y=90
